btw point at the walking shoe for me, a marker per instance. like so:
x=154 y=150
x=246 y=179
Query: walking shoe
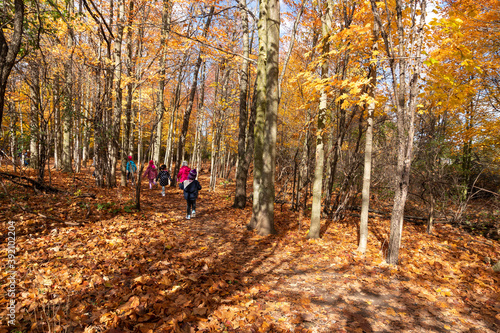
x=163 y=194
x=188 y=217
x=193 y=214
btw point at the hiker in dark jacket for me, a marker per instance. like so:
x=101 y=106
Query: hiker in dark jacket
x=163 y=177
x=191 y=187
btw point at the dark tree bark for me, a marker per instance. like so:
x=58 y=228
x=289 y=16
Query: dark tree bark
x=8 y=53
x=240 y=197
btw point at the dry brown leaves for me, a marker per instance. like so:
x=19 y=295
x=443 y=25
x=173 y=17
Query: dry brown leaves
x=154 y=271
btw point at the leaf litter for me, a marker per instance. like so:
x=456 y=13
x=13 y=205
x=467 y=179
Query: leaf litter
x=153 y=271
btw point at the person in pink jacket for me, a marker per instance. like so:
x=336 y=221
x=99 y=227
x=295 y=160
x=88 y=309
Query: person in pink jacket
x=151 y=173
x=183 y=172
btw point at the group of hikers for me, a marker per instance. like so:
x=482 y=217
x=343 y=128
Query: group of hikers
x=186 y=179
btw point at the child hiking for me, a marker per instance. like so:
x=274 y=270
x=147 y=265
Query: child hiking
x=131 y=170
x=151 y=174
x=191 y=187
x=164 y=177
x=183 y=172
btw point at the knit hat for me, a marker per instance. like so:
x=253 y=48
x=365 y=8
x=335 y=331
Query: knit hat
x=184 y=163
x=130 y=158
x=192 y=174
x=151 y=162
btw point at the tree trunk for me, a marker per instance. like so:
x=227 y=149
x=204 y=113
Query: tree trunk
x=8 y=53
x=365 y=194
x=406 y=62
x=260 y=119
x=13 y=131
x=496 y=267
x=57 y=135
x=240 y=197
x=127 y=125
x=68 y=111
x=189 y=108
x=86 y=126
x=175 y=104
x=265 y=216
x=195 y=158
x=315 y=228
x=161 y=85
x=117 y=108
x=34 y=115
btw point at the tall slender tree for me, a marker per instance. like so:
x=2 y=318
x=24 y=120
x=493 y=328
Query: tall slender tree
x=191 y=97
x=404 y=52
x=326 y=24
x=365 y=193
x=240 y=196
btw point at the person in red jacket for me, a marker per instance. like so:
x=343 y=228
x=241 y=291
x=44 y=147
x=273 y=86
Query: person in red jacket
x=183 y=172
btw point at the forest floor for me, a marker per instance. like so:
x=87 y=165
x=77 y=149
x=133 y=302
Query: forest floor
x=96 y=265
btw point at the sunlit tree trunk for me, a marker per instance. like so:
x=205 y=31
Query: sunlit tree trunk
x=118 y=92
x=215 y=131
x=266 y=225
x=174 y=106
x=13 y=130
x=68 y=112
x=365 y=193
x=240 y=196
x=86 y=125
x=195 y=158
x=34 y=115
x=77 y=133
x=66 y=131
x=57 y=134
x=127 y=122
x=190 y=102
x=260 y=119
x=161 y=85
x=404 y=55
x=266 y=122
x=315 y=228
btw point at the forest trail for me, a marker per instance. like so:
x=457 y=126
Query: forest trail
x=155 y=271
